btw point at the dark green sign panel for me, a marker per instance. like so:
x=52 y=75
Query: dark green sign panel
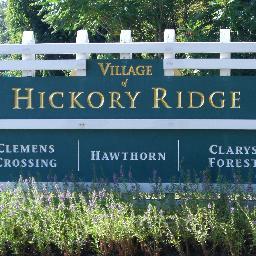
x=124 y=89
x=131 y=155
x=127 y=90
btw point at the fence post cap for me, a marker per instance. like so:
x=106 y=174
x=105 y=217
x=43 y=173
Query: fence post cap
x=82 y=36
x=169 y=35
x=225 y=29
x=28 y=37
x=125 y=36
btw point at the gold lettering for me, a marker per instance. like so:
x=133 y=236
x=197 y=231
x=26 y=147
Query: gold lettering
x=101 y=97
x=51 y=100
x=103 y=69
x=179 y=105
x=191 y=105
x=114 y=99
x=41 y=99
x=149 y=71
x=112 y=70
x=235 y=99
x=74 y=101
x=158 y=99
x=131 y=71
x=117 y=71
x=140 y=70
x=123 y=71
x=17 y=98
x=212 y=103
x=132 y=98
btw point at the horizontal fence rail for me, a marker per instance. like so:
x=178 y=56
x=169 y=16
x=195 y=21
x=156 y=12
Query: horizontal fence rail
x=135 y=47
x=209 y=64
x=83 y=48
x=42 y=64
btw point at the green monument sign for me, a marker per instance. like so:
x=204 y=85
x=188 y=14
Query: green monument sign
x=126 y=120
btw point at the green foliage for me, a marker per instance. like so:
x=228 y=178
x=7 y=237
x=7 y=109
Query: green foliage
x=194 y=20
x=24 y=15
x=103 y=17
x=17 y=19
x=50 y=221
x=146 y=18
x=3 y=28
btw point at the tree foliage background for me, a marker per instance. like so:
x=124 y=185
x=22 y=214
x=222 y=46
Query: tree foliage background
x=194 y=20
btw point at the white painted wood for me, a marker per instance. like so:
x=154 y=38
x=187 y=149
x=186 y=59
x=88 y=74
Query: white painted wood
x=98 y=124
x=134 y=47
x=82 y=37
x=125 y=37
x=42 y=64
x=125 y=48
x=168 y=64
x=169 y=37
x=210 y=63
x=28 y=39
x=140 y=187
x=124 y=187
x=224 y=38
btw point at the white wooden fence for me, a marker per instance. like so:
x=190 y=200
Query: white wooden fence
x=82 y=48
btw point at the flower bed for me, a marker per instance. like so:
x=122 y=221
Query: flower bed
x=38 y=222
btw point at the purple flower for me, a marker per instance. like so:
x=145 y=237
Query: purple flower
x=49 y=199
x=61 y=206
x=68 y=195
x=121 y=171
x=232 y=209
x=249 y=188
x=130 y=174
x=72 y=207
x=209 y=206
x=11 y=213
x=44 y=188
x=1 y=208
x=57 y=188
x=62 y=197
x=93 y=200
x=154 y=174
x=114 y=178
x=17 y=205
x=102 y=194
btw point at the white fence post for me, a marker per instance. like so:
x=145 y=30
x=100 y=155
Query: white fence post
x=82 y=37
x=29 y=49
x=169 y=37
x=225 y=38
x=126 y=37
x=28 y=39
